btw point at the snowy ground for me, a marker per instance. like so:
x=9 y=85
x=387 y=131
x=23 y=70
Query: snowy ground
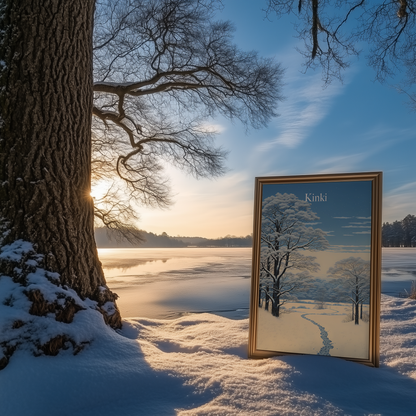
x=309 y=330
x=197 y=365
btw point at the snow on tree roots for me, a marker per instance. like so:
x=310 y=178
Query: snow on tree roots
x=40 y=314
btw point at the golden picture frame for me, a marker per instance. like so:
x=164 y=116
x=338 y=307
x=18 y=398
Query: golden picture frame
x=316 y=266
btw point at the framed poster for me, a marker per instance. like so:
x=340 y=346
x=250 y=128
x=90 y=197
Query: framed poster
x=316 y=269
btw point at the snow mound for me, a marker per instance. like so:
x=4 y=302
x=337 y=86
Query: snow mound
x=22 y=326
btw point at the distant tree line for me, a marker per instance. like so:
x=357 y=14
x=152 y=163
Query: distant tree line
x=227 y=241
x=400 y=233
x=106 y=238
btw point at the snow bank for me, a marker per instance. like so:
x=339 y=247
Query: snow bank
x=20 y=328
x=197 y=365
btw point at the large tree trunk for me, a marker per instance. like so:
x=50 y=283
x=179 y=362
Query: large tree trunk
x=46 y=108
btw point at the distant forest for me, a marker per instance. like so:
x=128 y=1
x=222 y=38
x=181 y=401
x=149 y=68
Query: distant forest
x=397 y=234
x=400 y=233
x=106 y=238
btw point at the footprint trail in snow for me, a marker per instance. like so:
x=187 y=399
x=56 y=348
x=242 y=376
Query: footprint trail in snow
x=324 y=335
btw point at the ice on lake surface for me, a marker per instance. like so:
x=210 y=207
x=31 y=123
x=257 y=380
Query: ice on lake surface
x=170 y=282
x=398 y=270
x=167 y=283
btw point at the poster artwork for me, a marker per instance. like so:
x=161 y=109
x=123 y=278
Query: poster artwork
x=315 y=267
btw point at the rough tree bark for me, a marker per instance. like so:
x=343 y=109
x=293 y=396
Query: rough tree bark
x=45 y=148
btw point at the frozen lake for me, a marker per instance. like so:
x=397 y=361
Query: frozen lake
x=398 y=270
x=170 y=282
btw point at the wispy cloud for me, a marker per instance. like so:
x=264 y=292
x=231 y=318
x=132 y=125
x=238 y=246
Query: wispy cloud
x=386 y=136
x=306 y=105
x=399 y=202
x=373 y=143
x=343 y=163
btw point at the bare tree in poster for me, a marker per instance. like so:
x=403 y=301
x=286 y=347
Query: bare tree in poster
x=353 y=275
x=285 y=235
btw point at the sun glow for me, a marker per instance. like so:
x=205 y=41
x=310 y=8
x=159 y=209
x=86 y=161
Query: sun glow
x=99 y=189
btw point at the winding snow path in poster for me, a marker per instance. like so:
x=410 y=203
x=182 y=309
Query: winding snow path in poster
x=324 y=335
x=304 y=329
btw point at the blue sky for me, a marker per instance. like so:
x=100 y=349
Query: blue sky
x=343 y=208
x=354 y=126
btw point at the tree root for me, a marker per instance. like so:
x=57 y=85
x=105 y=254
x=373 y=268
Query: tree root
x=40 y=307
x=111 y=317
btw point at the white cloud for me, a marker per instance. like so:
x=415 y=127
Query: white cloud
x=213 y=128
x=307 y=104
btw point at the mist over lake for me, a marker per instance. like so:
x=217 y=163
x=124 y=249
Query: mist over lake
x=167 y=283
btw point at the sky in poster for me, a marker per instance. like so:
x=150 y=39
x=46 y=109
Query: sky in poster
x=355 y=126
x=344 y=209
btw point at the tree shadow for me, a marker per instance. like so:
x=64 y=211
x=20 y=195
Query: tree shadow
x=106 y=379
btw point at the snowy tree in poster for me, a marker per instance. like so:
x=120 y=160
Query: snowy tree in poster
x=285 y=237
x=353 y=275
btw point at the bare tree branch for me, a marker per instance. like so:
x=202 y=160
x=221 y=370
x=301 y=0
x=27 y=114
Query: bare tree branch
x=162 y=69
x=332 y=31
